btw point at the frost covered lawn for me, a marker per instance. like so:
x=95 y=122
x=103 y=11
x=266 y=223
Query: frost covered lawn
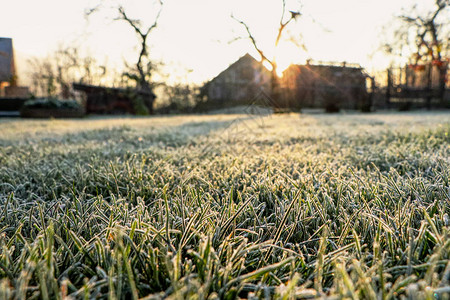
x=226 y=206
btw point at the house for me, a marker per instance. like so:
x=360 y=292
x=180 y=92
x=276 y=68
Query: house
x=8 y=75
x=330 y=86
x=239 y=83
x=108 y=100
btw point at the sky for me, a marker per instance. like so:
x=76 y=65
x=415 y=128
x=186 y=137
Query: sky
x=197 y=38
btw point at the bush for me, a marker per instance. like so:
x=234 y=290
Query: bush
x=52 y=103
x=332 y=99
x=139 y=105
x=52 y=108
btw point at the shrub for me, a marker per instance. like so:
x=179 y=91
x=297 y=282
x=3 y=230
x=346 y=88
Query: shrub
x=52 y=103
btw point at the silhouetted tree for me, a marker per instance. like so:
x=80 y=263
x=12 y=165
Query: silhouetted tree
x=285 y=19
x=143 y=69
x=425 y=35
x=53 y=75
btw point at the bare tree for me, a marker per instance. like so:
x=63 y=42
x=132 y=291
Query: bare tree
x=285 y=19
x=53 y=75
x=143 y=68
x=140 y=72
x=42 y=76
x=425 y=35
x=428 y=34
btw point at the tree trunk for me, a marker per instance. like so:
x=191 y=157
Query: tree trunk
x=442 y=75
x=429 y=87
x=388 y=88
x=275 y=89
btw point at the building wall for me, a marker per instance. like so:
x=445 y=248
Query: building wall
x=16 y=92
x=6 y=60
x=320 y=86
x=240 y=82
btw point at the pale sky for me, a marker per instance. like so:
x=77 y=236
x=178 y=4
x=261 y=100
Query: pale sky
x=195 y=34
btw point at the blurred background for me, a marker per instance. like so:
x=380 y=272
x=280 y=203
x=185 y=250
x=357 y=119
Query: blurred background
x=173 y=56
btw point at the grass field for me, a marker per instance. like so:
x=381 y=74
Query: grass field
x=226 y=206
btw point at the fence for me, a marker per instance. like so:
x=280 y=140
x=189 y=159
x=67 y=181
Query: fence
x=420 y=85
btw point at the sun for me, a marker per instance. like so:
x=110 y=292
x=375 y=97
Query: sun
x=286 y=55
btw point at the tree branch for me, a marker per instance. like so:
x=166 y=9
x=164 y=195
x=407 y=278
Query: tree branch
x=252 y=39
x=294 y=15
x=153 y=26
x=135 y=24
x=440 y=6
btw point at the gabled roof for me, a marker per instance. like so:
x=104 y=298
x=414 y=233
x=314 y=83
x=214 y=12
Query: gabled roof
x=247 y=58
x=6 y=59
x=329 y=68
